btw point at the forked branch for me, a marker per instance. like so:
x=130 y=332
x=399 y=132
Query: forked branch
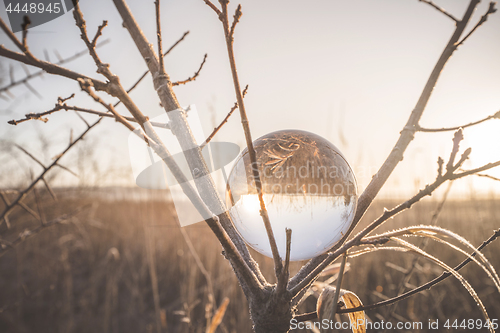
x=278 y=266
x=397 y=153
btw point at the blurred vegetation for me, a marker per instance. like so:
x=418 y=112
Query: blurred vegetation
x=92 y=273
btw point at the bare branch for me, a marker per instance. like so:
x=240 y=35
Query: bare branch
x=99 y=33
x=278 y=266
x=338 y=286
x=192 y=78
x=61 y=61
x=283 y=278
x=427 y=285
x=31 y=156
x=487 y=176
x=52 y=194
x=82 y=25
x=428 y=190
x=33 y=90
x=459 y=136
x=146 y=72
x=86 y=86
x=446 y=129
x=82 y=119
x=158 y=36
x=49 y=67
x=236 y=19
x=11 y=35
x=29 y=210
x=396 y=155
x=211 y=5
x=211 y=136
x=484 y=18
x=245 y=268
x=28 y=233
x=67 y=169
x=441 y=10
x=39 y=207
x=25 y=24
x=22 y=194
x=58 y=107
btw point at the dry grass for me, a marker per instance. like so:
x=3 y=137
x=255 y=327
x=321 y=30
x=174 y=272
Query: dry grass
x=93 y=274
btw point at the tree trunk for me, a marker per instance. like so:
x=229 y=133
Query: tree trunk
x=271 y=314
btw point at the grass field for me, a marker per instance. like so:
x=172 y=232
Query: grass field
x=97 y=272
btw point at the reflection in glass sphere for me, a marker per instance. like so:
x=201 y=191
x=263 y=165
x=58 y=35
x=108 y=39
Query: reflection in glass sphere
x=308 y=187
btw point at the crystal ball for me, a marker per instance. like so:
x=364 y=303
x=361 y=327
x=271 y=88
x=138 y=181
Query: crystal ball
x=307 y=187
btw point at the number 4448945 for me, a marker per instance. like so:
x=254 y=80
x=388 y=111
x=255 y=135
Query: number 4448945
x=471 y=324
x=34 y=7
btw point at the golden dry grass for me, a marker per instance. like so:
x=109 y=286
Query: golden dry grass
x=93 y=275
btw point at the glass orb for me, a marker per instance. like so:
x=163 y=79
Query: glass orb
x=308 y=187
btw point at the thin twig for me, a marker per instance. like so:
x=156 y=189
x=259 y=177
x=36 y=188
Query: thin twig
x=200 y=265
x=158 y=36
x=245 y=268
x=446 y=129
x=283 y=277
x=211 y=5
x=427 y=285
x=98 y=33
x=338 y=288
x=25 y=25
x=211 y=136
x=409 y=273
x=488 y=176
x=428 y=190
x=86 y=86
x=146 y=72
x=40 y=116
x=484 y=18
x=236 y=19
x=28 y=233
x=192 y=78
x=406 y=137
x=278 y=265
x=441 y=10
x=14 y=83
x=30 y=155
x=22 y=194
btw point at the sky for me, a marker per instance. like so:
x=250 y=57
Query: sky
x=350 y=71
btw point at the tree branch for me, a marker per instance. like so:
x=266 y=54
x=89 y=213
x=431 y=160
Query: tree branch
x=446 y=129
x=211 y=136
x=50 y=68
x=278 y=265
x=214 y=8
x=283 y=277
x=192 y=78
x=28 y=233
x=245 y=268
x=14 y=83
x=428 y=190
x=158 y=36
x=488 y=176
x=440 y=10
x=39 y=116
x=484 y=18
x=427 y=285
x=24 y=193
x=397 y=153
